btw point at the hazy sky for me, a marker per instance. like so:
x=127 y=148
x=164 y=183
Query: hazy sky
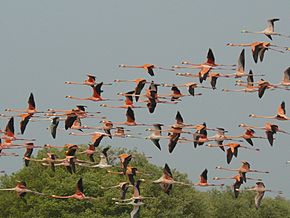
x=46 y=43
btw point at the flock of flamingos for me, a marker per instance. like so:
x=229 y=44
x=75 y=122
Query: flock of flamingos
x=178 y=132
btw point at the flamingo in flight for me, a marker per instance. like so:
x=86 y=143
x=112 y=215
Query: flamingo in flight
x=127 y=103
x=79 y=193
x=269 y=128
x=21 y=189
x=245 y=168
x=96 y=137
x=104 y=162
x=232 y=150
x=205 y=67
x=123 y=186
x=96 y=94
x=213 y=76
x=176 y=93
x=147 y=67
x=130 y=119
x=166 y=181
x=90 y=81
x=50 y=160
x=31 y=109
x=258 y=49
x=203 y=180
x=7 y=153
x=238 y=182
x=136 y=200
x=249 y=87
x=269 y=31
x=260 y=189
x=80 y=111
x=140 y=85
x=240 y=70
x=9 y=134
x=281 y=114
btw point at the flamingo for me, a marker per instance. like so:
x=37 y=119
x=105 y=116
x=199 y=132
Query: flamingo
x=7 y=154
x=270 y=130
x=124 y=186
x=147 y=67
x=104 y=162
x=96 y=94
x=9 y=135
x=91 y=81
x=176 y=93
x=80 y=111
x=245 y=168
x=258 y=48
x=130 y=172
x=269 y=31
x=130 y=119
x=31 y=109
x=203 y=180
x=96 y=137
x=281 y=114
x=232 y=150
x=205 y=67
x=213 y=76
x=249 y=135
x=53 y=126
x=166 y=181
x=128 y=102
x=79 y=193
x=249 y=87
x=140 y=85
x=28 y=153
x=260 y=189
x=21 y=189
x=136 y=200
x=156 y=135
x=238 y=182
x=50 y=160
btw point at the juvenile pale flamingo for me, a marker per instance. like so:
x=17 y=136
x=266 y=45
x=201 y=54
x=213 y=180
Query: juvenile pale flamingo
x=281 y=114
x=260 y=190
x=147 y=67
x=79 y=193
x=91 y=81
x=269 y=31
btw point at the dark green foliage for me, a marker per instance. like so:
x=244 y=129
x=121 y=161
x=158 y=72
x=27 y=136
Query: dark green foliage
x=184 y=201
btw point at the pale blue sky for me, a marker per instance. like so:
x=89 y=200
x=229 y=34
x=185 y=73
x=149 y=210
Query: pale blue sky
x=44 y=43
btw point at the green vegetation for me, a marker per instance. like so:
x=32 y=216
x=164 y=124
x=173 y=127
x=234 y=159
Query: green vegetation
x=184 y=201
